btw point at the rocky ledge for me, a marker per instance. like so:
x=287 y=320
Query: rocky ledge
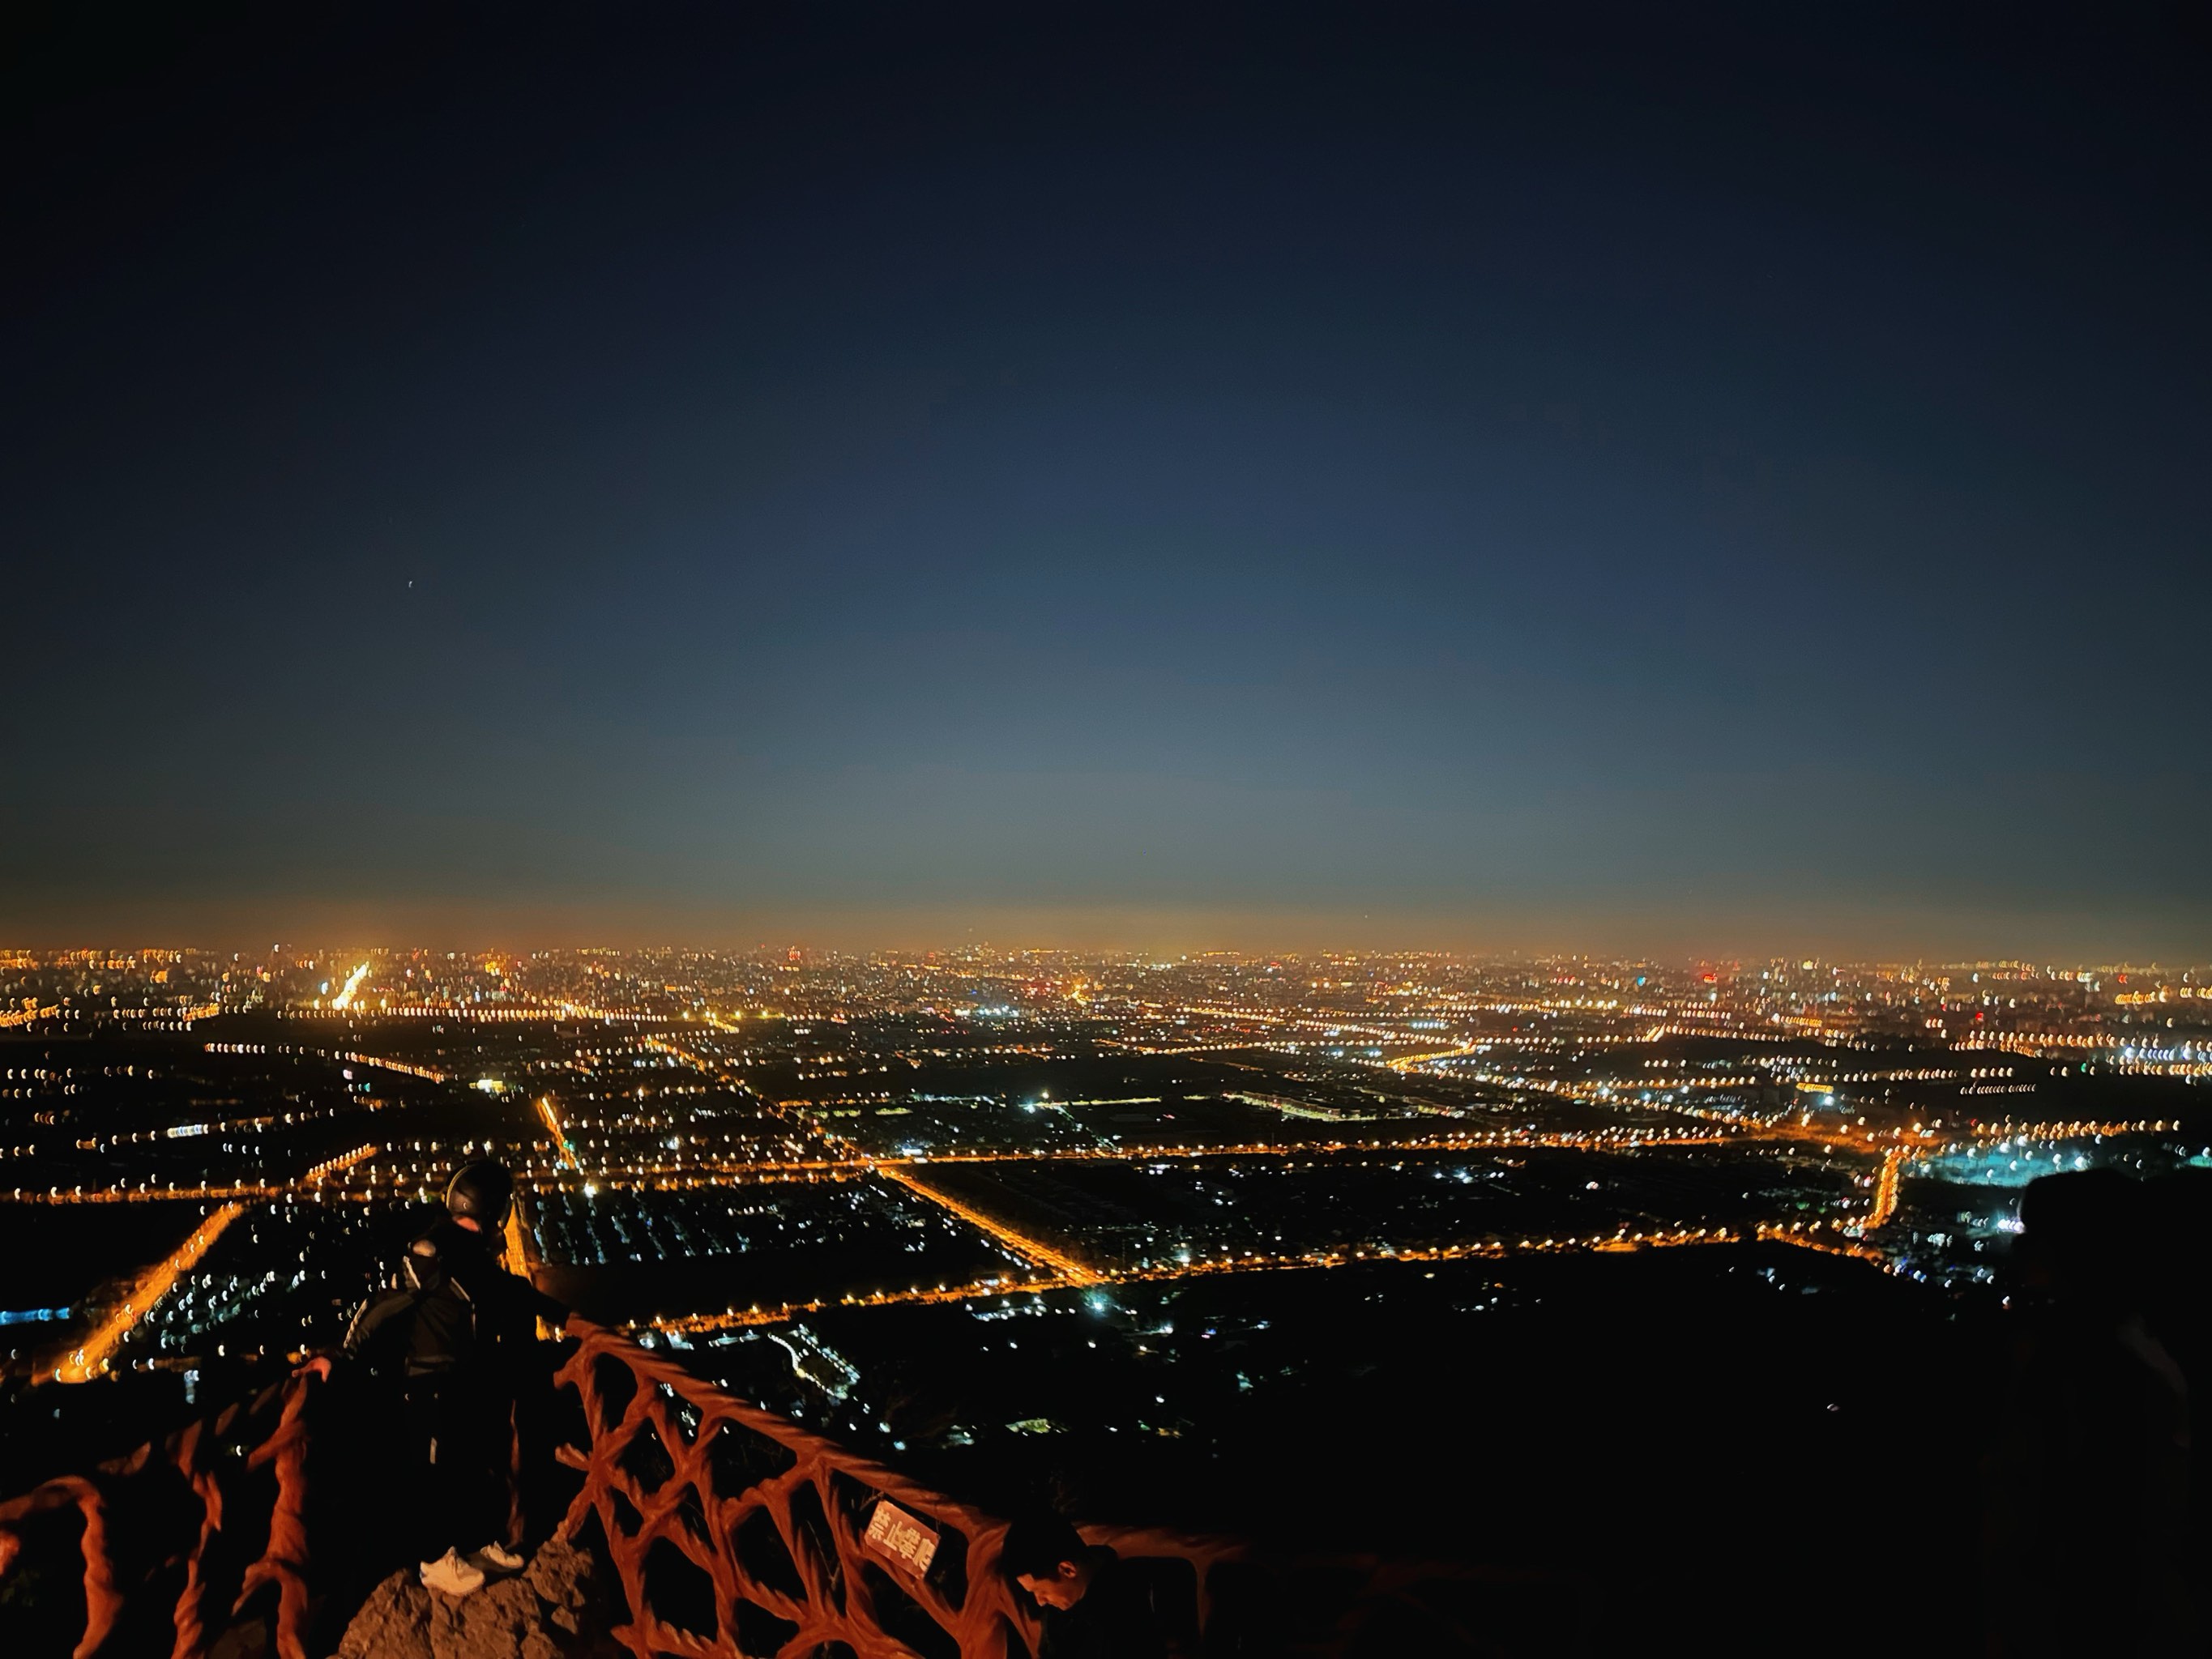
x=560 y=1607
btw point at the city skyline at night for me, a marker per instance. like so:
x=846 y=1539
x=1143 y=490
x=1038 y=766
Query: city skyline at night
x=1120 y=1229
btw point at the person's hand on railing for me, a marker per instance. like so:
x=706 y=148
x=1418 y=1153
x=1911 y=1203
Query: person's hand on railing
x=318 y=1368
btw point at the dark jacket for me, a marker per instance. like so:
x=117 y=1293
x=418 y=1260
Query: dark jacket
x=453 y=1307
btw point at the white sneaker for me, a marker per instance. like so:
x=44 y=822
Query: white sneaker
x=452 y=1575
x=498 y=1556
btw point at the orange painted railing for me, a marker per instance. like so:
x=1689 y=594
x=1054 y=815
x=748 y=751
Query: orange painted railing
x=774 y=1524
x=735 y=1534
x=772 y=1519
x=740 y=1534
x=203 y=1463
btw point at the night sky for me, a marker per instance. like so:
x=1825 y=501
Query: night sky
x=1692 y=482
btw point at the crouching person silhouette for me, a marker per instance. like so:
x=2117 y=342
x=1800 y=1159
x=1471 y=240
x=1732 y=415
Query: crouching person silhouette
x=456 y=1332
x=1091 y=1604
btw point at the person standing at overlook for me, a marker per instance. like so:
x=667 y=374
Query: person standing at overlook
x=455 y=1331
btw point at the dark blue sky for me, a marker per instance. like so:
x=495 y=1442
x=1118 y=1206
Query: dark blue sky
x=1477 y=477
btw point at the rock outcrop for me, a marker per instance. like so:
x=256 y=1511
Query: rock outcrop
x=560 y=1607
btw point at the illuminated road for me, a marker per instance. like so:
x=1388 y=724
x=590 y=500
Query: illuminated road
x=740 y=1318
x=1843 y=1139
x=553 y=1127
x=1896 y=1147
x=90 y=1359
x=1071 y=1271
x=1884 y=1191
x=1407 y=1063
x=691 y=1173
x=1816 y=1236
x=1807 y=1236
x=1503 y=1139
x=1484 y=1140
x=344 y=998
x=239 y=1191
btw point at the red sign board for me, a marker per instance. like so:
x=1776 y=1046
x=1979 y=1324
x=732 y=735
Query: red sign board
x=900 y=1537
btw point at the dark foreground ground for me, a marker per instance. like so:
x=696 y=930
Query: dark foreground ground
x=1725 y=1449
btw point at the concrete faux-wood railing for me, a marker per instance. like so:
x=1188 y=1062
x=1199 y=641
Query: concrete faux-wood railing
x=733 y=1531
x=736 y=1533
x=740 y=1534
x=234 y=1491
